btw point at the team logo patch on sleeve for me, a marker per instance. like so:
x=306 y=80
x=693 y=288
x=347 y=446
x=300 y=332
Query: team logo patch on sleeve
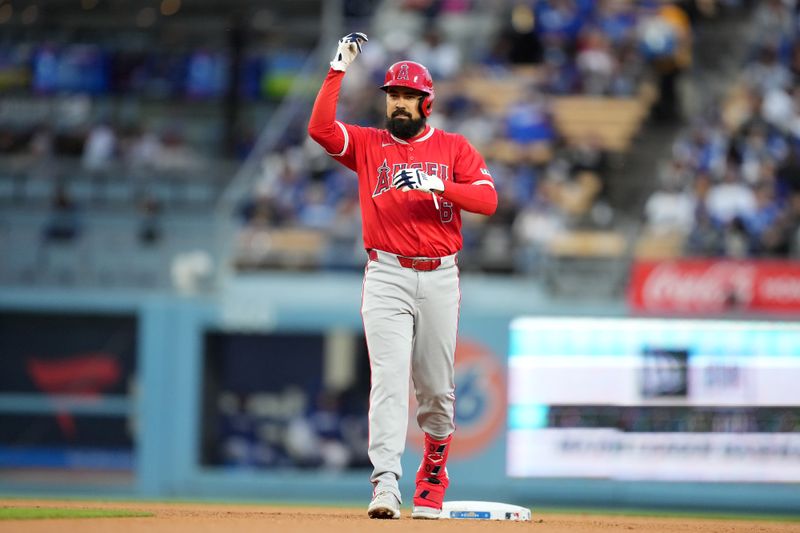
x=485 y=172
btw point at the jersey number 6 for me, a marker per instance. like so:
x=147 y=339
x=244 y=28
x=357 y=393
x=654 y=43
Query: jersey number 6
x=446 y=212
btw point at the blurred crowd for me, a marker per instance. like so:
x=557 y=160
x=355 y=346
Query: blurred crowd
x=328 y=431
x=99 y=145
x=500 y=71
x=80 y=166
x=547 y=183
x=732 y=187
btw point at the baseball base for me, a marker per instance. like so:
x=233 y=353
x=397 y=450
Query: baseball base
x=474 y=510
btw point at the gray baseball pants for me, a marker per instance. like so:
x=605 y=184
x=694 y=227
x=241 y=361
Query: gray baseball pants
x=410 y=322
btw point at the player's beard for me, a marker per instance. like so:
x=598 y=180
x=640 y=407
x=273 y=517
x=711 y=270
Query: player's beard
x=404 y=128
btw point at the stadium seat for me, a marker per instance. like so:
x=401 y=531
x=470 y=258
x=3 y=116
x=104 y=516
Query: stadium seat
x=577 y=256
x=292 y=248
x=615 y=121
x=651 y=245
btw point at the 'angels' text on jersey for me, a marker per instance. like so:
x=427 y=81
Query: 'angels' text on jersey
x=385 y=173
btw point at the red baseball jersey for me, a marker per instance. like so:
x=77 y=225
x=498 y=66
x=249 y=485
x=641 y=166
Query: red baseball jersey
x=405 y=223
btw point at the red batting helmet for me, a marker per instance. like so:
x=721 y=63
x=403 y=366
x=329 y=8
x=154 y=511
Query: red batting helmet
x=414 y=76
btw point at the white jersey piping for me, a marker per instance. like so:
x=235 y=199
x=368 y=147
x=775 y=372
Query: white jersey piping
x=346 y=140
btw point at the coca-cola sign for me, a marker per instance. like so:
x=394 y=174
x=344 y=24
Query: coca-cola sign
x=715 y=286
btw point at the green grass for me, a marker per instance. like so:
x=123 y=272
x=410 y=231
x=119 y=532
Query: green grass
x=39 y=513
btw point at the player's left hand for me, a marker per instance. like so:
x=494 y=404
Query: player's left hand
x=414 y=179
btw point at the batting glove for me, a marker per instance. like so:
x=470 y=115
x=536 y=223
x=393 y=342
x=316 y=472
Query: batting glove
x=410 y=179
x=349 y=47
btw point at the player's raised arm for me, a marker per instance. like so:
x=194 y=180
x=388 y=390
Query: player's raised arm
x=322 y=126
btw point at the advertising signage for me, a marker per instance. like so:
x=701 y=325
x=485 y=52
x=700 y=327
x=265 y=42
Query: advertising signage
x=702 y=286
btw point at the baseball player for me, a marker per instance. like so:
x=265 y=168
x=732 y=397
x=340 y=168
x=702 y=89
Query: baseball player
x=413 y=182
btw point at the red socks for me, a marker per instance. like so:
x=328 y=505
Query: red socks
x=432 y=480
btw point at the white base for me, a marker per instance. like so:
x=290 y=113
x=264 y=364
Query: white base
x=473 y=510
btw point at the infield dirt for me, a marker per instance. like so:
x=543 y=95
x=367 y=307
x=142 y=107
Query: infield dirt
x=200 y=518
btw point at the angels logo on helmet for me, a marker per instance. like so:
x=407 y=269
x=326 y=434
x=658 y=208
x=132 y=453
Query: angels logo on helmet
x=412 y=75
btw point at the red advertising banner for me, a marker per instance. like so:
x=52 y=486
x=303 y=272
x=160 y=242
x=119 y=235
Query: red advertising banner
x=715 y=286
